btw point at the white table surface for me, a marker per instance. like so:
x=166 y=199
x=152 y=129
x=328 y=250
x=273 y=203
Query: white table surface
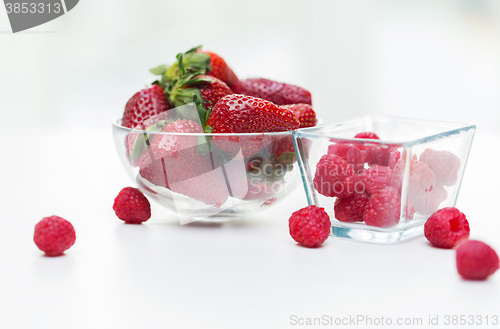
x=249 y=274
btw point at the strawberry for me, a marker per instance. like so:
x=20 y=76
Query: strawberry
x=197 y=60
x=174 y=163
x=277 y=92
x=304 y=113
x=143 y=105
x=219 y=69
x=210 y=90
x=246 y=114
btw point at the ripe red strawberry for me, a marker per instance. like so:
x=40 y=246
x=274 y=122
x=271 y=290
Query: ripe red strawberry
x=174 y=163
x=304 y=113
x=277 y=92
x=143 y=105
x=246 y=114
x=220 y=69
x=211 y=90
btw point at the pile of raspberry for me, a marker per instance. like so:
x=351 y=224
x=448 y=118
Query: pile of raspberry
x=366 y=178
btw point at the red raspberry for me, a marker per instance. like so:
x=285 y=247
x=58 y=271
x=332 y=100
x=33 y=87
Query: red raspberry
x=394 y=158
x=339 y=149
x=310 y=226
x=352 y=208
x=397 y=174
x=367 y=135
x=383 y=208
x=381 y=155
x=430 y=203
x=132 y=206
x=334 y=177
x=476 y=260
x=376 y=178
x=422 y=181
x=444 y=164
x=53 y=235
x=447 y=228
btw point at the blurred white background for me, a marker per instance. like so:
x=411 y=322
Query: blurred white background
x=425 y=58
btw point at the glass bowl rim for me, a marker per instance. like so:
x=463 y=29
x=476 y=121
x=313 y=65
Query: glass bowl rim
x=310 y=131
x=140 y=131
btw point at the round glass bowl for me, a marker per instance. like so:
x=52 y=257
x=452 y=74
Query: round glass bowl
x=209 y=177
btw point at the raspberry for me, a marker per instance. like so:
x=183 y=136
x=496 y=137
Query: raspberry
x=339 y=149
x=352 y=208
x=310 y=226
x=397 y=174
x=447 y=228
x=394 y=158
x=410 y=211
x=381 y=155
x=132 y=206
x=422 y=181
x=383 y=208
x=376 y=178
x=367 y=135
x=54 y=235
x=476 y=260
x=355 y=158
x=444 y=164
x=430 y=203
x=334 y=177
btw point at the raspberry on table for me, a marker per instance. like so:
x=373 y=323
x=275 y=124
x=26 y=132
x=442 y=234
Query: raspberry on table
x=445 y=165
x=132 y=206
x=310 y=226
x=447 y=228
x=352 y=208
x=476 y=260
x=334 y=177
x=383 y=208
x=54 y=235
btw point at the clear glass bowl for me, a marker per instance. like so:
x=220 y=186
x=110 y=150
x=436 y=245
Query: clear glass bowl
x=397 y=181
x=209 y=177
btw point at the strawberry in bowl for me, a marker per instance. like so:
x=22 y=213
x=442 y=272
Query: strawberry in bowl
x=204 y=151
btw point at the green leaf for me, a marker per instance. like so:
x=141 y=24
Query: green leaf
x=193 y=49
x=195 y=81
x=159 y=70
x=208 y=129
x=180 y=64
x=202 y=111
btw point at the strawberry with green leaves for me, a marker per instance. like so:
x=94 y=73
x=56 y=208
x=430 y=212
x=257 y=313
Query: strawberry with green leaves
x=220 y=69
x=206 y=87
x=197 y=60
x=143 y=105
x=279 y=93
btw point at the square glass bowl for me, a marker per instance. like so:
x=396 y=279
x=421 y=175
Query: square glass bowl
x=383 y=190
